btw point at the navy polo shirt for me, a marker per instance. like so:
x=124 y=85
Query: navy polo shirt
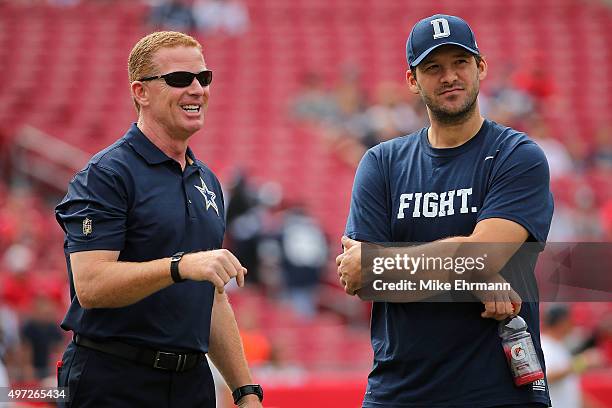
x=446 y=354
x=133 y=198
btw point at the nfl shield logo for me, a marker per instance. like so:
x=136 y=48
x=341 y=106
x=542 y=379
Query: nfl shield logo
x=87 y=228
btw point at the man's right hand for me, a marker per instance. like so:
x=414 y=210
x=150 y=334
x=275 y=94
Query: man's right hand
x=349 y=265
x=217 y=266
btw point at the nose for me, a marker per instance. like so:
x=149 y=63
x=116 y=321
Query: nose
x=196 y=89
x=449 y=75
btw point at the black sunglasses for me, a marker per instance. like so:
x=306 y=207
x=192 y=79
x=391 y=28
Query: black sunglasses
x=182 y=79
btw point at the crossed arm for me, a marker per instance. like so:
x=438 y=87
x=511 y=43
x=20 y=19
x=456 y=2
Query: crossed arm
x=492 y=230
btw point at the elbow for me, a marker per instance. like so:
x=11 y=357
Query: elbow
x=86 y=292
x=86 y=298
x=85 y=305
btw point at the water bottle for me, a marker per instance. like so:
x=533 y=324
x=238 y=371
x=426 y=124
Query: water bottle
x=520 y=352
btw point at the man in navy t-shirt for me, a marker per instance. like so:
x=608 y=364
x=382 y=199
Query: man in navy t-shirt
x=464 y=179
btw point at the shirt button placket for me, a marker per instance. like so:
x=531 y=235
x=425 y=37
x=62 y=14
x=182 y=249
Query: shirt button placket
x=188 y=202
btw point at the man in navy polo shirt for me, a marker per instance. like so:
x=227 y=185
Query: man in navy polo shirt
x=144 y=224
x=464 y=179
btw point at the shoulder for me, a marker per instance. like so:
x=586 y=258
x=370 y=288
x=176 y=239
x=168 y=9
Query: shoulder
x=208 y=176
x=206 y=171
x=113 y=158
x=395 y=148
x=512 y=144
x=508 y=138
x=400 y=143
x=107 y=169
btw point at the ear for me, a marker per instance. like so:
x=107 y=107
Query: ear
x=140 y=93
x=483 y=69
x=412 y=82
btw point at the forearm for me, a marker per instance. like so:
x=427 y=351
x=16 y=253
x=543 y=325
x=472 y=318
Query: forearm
x=101 y=281
x=113 y=284
x=433 y=268
x=225 y=346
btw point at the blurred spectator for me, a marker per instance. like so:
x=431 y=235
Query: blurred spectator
x=269 y=251
x=562 y=226
x=602 y=153
x=313 y=102
x=533 y=77
x=304 y=253
x=42 y=336
x=559 y=160
x=17 y=287
x=338 y=115
x=244 y=226
x=579 y=152
x=586 y=217
x=4 y=379
x=9 y=340
x=240 y=197
x=603 y=336
x=176 y=15
x=280 y=369
x=392 y=115
x=224 y=16
x=577 y=220
x=256 y=344
x=507 y=104
x=352 y=103
x=562 y=369
x=23 y=219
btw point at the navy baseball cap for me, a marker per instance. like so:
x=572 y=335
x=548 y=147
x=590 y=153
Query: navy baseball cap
x=435 y=31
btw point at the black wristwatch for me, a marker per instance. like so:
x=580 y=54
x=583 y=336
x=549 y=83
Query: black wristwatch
x=174 y=267
x=246 y=390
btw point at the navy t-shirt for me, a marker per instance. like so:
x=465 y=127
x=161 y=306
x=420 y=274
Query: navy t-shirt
x=133 y=198
x=446 y=354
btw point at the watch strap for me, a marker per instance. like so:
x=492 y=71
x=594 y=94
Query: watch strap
x=247 y=390
x=174 y=267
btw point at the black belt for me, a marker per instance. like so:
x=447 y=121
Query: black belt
x=162 y=360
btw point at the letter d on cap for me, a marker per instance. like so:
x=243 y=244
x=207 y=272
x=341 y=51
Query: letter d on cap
x=441 y=28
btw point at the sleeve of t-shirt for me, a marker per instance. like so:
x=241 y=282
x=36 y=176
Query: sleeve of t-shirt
x=369 y=216
x=94 y=212
x=519 y=191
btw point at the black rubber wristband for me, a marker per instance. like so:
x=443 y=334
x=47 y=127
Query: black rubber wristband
x=174 y=267
x=247 y=390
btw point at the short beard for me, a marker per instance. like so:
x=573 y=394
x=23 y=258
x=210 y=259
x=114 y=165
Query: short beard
x=445 y=117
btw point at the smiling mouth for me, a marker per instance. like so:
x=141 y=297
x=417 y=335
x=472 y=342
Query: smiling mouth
x=191 y=108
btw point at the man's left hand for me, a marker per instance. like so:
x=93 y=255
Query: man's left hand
x=249 y=401
x=349 y=265
x=499 y=304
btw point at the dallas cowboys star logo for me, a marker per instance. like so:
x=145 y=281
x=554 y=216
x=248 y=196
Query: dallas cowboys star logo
x=209 y=196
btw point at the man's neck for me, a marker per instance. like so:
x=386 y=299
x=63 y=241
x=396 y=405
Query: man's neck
x=176 y=149
x=444 y=136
